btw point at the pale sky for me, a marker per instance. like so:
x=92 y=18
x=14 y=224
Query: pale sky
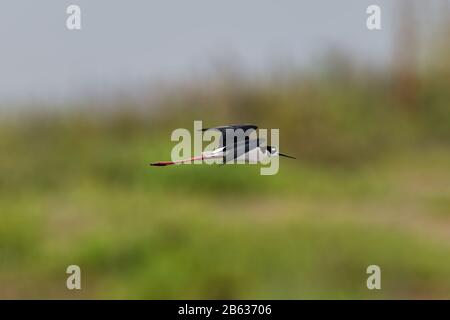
x=127 y=44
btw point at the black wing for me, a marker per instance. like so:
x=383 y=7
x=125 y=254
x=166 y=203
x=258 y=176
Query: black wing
x=236 y=150
x=234 y=133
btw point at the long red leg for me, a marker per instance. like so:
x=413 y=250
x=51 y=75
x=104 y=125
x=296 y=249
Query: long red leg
x=168 y=163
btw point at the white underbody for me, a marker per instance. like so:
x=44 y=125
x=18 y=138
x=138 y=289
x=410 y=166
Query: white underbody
x=255 y=155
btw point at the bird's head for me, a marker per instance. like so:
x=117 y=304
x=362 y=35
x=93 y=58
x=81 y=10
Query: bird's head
x=273 y=152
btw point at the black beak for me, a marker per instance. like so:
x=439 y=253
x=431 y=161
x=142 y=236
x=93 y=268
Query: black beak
x=285 y=155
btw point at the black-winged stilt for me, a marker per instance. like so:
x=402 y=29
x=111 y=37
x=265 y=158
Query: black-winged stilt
x=235 y=145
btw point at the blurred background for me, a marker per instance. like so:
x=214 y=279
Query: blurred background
x=366 y=113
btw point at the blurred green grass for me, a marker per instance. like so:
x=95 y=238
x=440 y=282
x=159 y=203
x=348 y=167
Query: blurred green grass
x=370 y=186
x=217 y=232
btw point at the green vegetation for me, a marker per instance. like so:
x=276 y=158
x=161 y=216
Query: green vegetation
x=371 y=186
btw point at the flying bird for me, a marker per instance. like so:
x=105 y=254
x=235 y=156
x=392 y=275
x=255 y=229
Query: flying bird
x=235 y=144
